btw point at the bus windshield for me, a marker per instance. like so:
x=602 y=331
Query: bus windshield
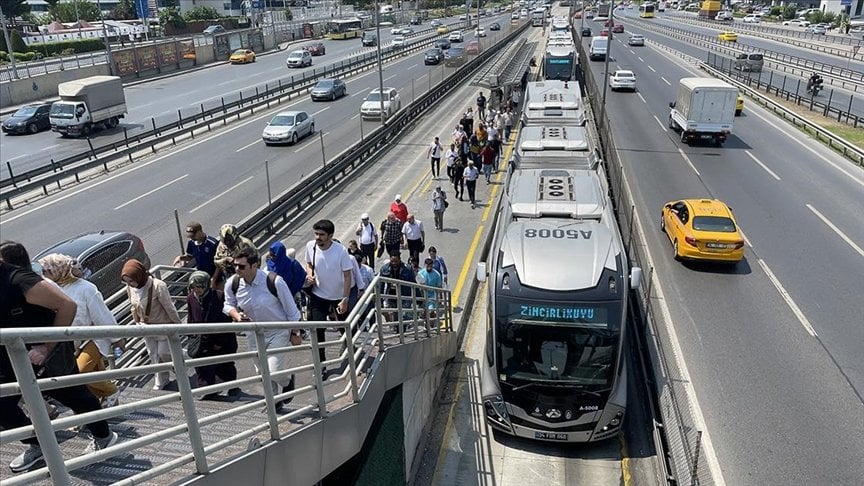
x=558 y=67
x=557 y=344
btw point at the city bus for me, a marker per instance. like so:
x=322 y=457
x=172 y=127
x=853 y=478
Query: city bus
x=558 y=283
x=344 y=29
x=538 y=17
x=559 y=62
x=646 y=10
x=560 y=24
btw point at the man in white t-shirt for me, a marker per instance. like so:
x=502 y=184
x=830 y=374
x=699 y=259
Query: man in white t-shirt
x=368 y=238
x=328 y=270
x=413 y=237
x=435 y=150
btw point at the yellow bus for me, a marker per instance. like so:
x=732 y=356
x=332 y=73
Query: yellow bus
x=344 y=29
x=646 y=10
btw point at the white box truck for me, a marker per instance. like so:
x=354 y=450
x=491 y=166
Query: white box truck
x=86 y=104
x=597 y=49
x=703 y=110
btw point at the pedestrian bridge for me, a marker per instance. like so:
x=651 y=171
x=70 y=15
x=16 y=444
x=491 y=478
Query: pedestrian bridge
x=174 y=437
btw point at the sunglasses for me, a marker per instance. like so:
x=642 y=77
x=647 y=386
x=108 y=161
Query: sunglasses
x=241 y=266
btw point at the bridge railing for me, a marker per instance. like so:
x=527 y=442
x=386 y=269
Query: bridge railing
x=379 y=320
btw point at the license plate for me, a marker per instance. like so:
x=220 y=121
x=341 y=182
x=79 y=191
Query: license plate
x=550 y=436
x=720 y=246
x=273 y=139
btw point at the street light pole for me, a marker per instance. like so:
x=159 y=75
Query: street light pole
x=610 y=23
x=11 y=54
x=107 y=40
x=380 y=68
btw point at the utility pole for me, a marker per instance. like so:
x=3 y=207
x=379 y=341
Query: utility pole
x=14 y=73
x=380 y=67
x=107 y=40
x=610 y=23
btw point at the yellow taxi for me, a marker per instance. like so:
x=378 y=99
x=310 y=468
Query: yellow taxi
x=702 y=229
x=729 y=36
x=739 y=105
x=242 y=56
x=443 y=30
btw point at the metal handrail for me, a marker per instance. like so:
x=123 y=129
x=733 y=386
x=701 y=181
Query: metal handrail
x=357 y=328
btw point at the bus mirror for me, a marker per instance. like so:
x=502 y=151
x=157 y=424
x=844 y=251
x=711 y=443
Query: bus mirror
x=481 y=271
x=635 y=277
x=671 y=104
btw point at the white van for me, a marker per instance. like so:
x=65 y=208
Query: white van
x=597 y=50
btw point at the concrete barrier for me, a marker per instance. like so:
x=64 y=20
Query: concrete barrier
x=44 y=86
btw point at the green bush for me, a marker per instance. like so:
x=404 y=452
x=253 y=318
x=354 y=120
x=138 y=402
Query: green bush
x=201 y=12
x=18 y=44
x=77 y=46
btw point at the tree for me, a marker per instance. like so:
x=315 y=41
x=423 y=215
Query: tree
x=85 y=10
x=18 y=44
x=171 y=16
x=201 y=12
x=288 y=15
x=125 y=10
x=14 y=8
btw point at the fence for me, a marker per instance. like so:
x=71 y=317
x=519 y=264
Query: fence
x=51 y=64
x=201 y=440
x=679 y=436
x=794 y=90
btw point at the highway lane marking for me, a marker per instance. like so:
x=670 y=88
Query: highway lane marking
x=226 y=191
x=151 y=192
x=357 y=94
x=411 y=66
x=687 y=159
x=678 y=355
x=640 y=58
x=664 y=80
x=17 y=157
x=321 y=110
x=641 y=98
x=652 y=69
x=354 y=117
x=837 y=230
x=248 y=145
x=49 y=147
x=661 y=124
x=788 y=298
x=795 y=139
x=762 y=165
x=391 y=77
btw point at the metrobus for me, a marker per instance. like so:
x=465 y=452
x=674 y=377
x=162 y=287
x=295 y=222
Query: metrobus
x=646 y=10
x=538 y=17
x=344 y=29
x=559 y=62
x=558 y=285
x=553 y=102
x=560 y=24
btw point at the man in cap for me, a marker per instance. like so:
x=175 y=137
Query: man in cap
x=398 y=208
x=200 y=249
x=368 y=239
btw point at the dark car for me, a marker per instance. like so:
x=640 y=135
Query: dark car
x=369 y=39
x=214 y=29
x=29 y=119
x=328 y=89
x=454 y=57
x=102 y=255
x=586 y=32
x=316 y=48
x=433 y=56
x=494 y=26
x=442 y=44
x=416 y=21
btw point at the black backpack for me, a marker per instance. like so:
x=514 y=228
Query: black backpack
x=271 y=284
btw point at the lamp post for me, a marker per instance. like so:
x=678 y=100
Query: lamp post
x=380 y=68
x=104 y=34
x=610 y=23
x=11 y=54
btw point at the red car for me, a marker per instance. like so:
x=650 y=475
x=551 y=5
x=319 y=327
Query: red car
x=618 y=29
x=316 y=49
x=604 y=32
x=473 y=48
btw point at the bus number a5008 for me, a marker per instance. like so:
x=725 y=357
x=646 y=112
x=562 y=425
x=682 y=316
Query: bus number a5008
x=570 y=234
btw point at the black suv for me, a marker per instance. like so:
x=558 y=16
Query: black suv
x=433 y=56
x=442 y=44
x=369 y=39
x=586 y=32
x=31 y=118
x=102 y=256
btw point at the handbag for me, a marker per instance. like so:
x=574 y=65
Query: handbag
x=195 y=346
x=59 y=362
x=446 y=204
x=381 y=248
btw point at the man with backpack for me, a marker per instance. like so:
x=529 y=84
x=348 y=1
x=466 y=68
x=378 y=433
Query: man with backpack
x=252 y=294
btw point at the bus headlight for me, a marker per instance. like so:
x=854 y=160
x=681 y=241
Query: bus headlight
x=496 y=411
x=614 y=423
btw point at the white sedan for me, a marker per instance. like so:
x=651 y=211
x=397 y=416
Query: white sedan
x=622 y=79
x=797 y=22
x=481 y=32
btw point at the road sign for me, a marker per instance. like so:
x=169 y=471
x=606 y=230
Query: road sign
x=845 y=3
x=142 y=8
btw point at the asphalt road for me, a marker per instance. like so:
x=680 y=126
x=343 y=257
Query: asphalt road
x=838 y=98
x=220 y=178
x=781 y=406
x=162 y=98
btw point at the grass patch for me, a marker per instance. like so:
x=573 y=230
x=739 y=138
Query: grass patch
x=855 y=136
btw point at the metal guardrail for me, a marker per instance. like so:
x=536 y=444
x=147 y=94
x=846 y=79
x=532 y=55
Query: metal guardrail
x=58 y=171
x=774 y=32
x=735 y=47
x=841 y=145
x=366 y=338
x=677 y=435
x=809 y=101
x=46 y=65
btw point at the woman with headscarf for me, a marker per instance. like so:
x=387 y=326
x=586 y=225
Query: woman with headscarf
x=205 y=306
x=92 y=311
x=230 y=244
x=286 y=266
x=150 y=304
